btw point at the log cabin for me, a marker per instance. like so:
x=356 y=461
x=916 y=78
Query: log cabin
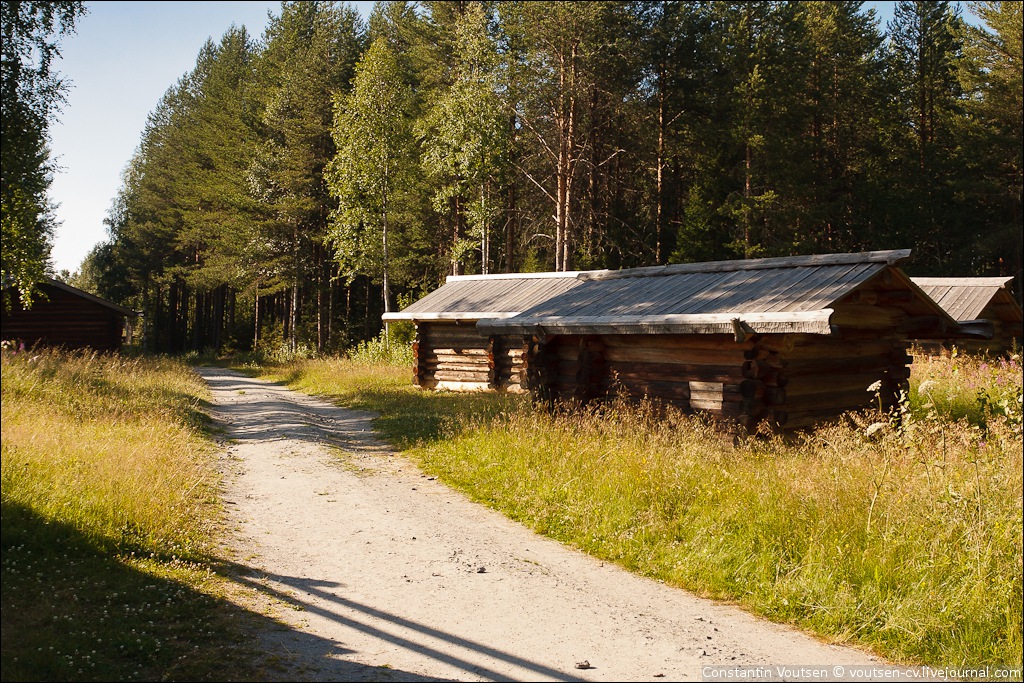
x=790 y=341
x=976 y=301
x=64 y=316
x=450 y=353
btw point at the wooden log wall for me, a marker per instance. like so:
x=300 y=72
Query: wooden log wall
x=1007 y=337
x=821 y=377
x=449 y=355
x=63 y=319
x=505 y=356
x=790 y=381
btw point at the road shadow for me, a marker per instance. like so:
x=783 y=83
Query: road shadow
x=455 y=652
x=270 y=412
x=75 y=609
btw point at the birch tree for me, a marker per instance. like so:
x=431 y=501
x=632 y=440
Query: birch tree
x=465 y=136
x=374 y=160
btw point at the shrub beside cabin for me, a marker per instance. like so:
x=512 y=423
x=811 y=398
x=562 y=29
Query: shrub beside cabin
x=62 y=315
x=977 y=302
x=792 y=341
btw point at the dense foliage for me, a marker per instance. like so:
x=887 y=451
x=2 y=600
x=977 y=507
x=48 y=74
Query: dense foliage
x=291 y=188
x=31 y=92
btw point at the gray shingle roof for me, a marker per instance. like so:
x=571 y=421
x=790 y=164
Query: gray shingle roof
x=965 y=298
x=793 y=294
x=472 y=297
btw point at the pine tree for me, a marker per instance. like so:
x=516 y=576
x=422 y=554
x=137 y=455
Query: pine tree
x=993 y=78
x=309 y=59
x=465 y=137
x=925 y=54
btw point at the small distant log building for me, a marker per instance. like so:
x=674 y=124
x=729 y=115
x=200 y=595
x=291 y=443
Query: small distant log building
x=974 y=302
x=792 y=341
x=450 y=353
x=64 y=316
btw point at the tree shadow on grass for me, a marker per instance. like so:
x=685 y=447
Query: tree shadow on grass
x=71 y=610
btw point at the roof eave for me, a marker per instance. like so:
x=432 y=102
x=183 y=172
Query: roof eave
x=441 y=316
x=806 y=322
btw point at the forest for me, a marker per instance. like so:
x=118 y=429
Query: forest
x=294 y=186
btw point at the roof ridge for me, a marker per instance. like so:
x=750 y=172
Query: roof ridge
x=970 y=281
x=890 y=257
x=89 y=296
x=523 y=276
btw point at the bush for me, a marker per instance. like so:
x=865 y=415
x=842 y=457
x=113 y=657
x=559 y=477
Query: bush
x=381 y=350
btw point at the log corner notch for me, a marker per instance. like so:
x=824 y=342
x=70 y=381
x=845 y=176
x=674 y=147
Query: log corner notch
x=539 y=369
x=590 y=372
x=418 y=369
x=763 y=388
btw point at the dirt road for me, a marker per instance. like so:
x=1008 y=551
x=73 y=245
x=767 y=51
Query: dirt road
x=379 y=572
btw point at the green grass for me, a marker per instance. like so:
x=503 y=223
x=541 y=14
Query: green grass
x=109 y=524
x=905 y=539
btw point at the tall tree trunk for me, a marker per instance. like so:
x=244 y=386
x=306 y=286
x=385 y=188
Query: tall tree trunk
x=387 y=282
x=659 y=208
x=293 y=322
x=322 y=284
x=457 y=268
x=485 y=238
x=747 y=193
x=256 y=317
x=510 y=229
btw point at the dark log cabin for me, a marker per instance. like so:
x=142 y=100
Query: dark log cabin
x=791 y=341
x=450 y=353
x=64 y=316
x=972 y=301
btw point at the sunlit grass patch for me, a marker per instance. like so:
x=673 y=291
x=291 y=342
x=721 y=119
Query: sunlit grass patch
x=110 y=447
x=961 y=385
x=109 y=509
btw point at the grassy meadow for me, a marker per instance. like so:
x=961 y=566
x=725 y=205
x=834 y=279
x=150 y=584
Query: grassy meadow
x=109 y=523
x=904 y=537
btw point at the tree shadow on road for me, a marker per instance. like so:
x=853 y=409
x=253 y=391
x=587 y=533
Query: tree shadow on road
x=447 y=649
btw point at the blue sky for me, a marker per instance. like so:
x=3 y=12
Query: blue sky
x=121 y=60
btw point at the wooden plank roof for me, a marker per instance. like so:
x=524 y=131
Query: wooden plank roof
x=472 y=297
x=57 y=284
x=774 y=295
x=967 y=298
x=91 y=297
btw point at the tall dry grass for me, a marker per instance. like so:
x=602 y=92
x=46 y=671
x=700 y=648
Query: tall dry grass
x=110 y=446
x=109 y=510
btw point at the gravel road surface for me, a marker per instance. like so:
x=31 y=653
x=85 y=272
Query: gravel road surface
x=377 y=572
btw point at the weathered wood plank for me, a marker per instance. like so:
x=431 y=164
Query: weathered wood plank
x=836 y=348
x=643 y=353
x=846 y=384
x=680 y=373
x=673 y=341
